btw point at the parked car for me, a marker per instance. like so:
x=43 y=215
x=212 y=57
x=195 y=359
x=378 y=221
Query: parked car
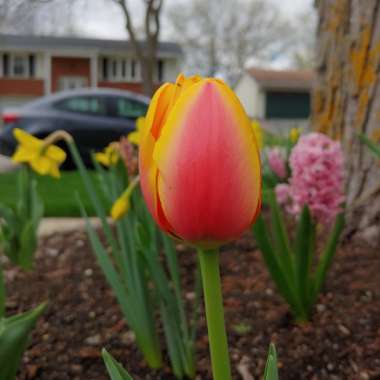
x=94 y=117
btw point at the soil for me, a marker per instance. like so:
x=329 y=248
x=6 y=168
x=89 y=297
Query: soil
x=342 y=341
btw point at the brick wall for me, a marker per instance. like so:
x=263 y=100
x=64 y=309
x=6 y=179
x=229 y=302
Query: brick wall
x=21 y=87
x=134 y=87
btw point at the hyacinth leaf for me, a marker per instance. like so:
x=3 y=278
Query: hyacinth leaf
x=2 y=293
x=372 y=146
x=271 y=371
x=114 y=368
x=327 y=256
x=14 y=336
x=304 y=246
x=272 y=263
x=282 y=245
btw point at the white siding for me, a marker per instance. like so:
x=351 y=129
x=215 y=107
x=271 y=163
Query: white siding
x=251 y=96
x=172 y=68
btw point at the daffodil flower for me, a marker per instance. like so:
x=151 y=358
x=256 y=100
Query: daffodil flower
x=135 y=137
x=110 y=155
x=294 y=134
x=43 y=157
x=122 y=204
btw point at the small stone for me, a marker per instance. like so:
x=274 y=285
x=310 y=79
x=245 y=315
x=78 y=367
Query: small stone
x=269 y=291
x=364 y=375
x=93 y=340
x=330 y=366
x=190 y=296
x=128 y=337
x=79 y=243
x=92 y=314
x=88 y=272
x=344 y=330
x=76 y=368
x=321 y=308
x=52 y=252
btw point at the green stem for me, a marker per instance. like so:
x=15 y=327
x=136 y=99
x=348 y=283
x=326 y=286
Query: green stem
x=220 y=360
x=2 y=293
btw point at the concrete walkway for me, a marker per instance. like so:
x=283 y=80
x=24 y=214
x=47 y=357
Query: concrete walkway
x=50 y=226
x=6 y=164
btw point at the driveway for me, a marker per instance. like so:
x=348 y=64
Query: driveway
x=6 y=164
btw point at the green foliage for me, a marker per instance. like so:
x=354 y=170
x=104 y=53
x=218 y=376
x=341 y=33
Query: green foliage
x=131 y=262
x=114 y=368
x=14 y=337
x=372 y=146
x=290 y=264
x=19 y=226
x=271 y=371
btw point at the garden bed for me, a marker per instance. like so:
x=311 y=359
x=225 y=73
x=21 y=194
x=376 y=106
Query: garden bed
x=341 y=342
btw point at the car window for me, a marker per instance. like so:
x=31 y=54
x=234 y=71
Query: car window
x=130 y=108
x=84 y=104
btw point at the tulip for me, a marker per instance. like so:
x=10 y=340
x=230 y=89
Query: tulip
x=110 y=155
x=199 y=162
x=43 y=157
x=258 y=132
x=200 y=177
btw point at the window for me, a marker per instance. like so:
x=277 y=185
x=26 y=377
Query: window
x=83 y=104
x=130 y=108
x=114 y=69
x=20 y=64
x=5 y=65
x=105 y=68
x=133 y=69
x=287 y=105
x=124 y=68
x=160 y=70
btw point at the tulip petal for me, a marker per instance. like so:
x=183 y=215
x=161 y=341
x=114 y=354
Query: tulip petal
x=157 y=112
x=209 y=181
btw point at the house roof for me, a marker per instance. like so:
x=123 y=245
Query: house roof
x=75 y=43
x=282 y=79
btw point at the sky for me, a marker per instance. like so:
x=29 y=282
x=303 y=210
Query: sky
x=105 y=20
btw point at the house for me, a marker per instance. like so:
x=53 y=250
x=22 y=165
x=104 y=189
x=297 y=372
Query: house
x=32 y=66
x=279 y=97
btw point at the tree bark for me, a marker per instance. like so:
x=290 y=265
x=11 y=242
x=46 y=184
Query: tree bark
x=146 y=51
x=346 y=100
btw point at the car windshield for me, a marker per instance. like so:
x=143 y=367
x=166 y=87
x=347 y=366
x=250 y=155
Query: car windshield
x=129 y=108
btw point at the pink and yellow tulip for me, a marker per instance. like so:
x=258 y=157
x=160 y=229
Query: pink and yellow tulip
x=199 y=162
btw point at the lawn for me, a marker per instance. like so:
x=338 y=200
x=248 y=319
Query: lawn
x=58 y=194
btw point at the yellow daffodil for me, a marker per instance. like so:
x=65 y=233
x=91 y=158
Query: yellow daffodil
x=43 y=158
x=294 y=134
x=110 y=155
x=258 y=131
x=122 y=204
x=135 y=137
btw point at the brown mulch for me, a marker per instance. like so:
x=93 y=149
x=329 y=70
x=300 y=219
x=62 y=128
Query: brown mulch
x=341 y=342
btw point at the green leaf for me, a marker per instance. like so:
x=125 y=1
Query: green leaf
x=114 y=368
x=273 y=264
x=282 y=245
x=327 y=256
x=373 y=147
x=14 y=336
x=271 y=371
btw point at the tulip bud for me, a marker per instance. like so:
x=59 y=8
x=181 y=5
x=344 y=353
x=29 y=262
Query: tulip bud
x=199 y=162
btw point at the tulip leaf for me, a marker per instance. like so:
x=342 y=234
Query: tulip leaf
x=14 y=336
x=304 y=248
x=114 y=368
x=327 y=256
x=272 y=262
x=282 y=245
x=372 y=146
x=271 y=371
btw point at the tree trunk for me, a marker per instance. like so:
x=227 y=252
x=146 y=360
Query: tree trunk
x=346 y=100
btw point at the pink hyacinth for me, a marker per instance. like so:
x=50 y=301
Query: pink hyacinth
x=276 y=162
x=317 y=167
